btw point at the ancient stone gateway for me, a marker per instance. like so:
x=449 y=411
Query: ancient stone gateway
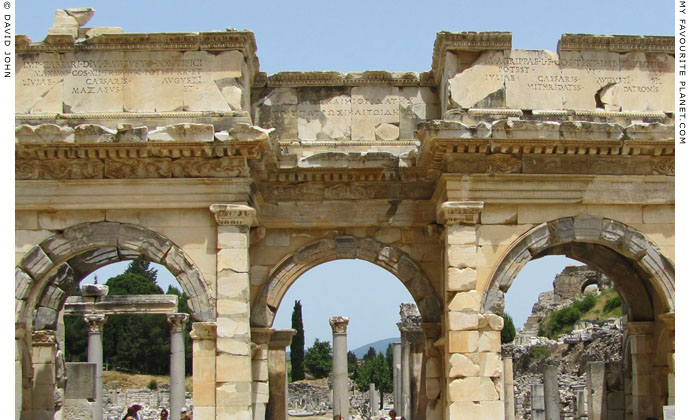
x=176 y=149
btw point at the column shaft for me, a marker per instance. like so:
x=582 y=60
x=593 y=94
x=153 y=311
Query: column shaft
x=95 y=355
x=405 y=379
x=203 y=370
x=509 y=395
x=177 y=362
x=341 y=400
x=397 y=380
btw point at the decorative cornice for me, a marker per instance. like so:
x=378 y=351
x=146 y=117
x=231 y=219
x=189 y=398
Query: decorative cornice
x=616 y=43
x=459 y=212
x=669 y=320
x=339 y=324
x=184 y=115
x=234 y=214
x=331 y=78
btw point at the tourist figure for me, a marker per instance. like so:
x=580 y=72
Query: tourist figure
x=184 y=414
x=164 y=414
x=132 y=412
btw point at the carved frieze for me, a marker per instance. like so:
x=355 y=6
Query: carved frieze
x=70 y=169
x=664 y=166
x=25 y=169
x=144 y=168
x=502 y=163
x=227 y=167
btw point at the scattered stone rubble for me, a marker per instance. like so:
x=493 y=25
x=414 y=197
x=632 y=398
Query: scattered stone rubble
x=314 y=399
x=588 y=341
x=116 y=401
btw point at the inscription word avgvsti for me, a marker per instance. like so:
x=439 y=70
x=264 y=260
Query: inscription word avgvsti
x=175 y=148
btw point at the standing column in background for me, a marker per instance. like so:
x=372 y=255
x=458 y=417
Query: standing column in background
x=552 y=401
x=95 y=355
x=509 y=395
x=341 y=400
x=178 y=322
x=397 y=384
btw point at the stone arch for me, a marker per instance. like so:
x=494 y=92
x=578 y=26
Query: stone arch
x=588 y=282
x=643 y=277
x=51 y=269
x=286 y=272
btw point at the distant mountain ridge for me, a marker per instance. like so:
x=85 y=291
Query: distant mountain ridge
x=380 y=346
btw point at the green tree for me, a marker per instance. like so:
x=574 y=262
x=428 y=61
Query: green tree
x=141 y=267
x=389 y=360
x=374 y=371
x=318 y=359
x=297 y=345
x=371 y=353
x=508 y=331
x=351 y=362
x=76 y=335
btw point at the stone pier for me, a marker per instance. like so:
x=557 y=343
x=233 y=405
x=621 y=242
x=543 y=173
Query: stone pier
x=341 y=400
x=538 y=411
x=552 y=405
x=596 y=391
x=178 y=322
x=397 y=380
x=277 y=408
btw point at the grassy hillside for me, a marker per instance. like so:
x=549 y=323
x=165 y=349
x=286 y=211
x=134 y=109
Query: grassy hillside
x=589 y=307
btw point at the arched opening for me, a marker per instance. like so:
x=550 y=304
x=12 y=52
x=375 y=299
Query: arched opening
x=50 y=271
x=402 y=269
x=643 y=278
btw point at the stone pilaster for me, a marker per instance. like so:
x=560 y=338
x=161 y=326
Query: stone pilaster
x=177 y=322
x=233 y=341
x=95 y=323
x=644 y=395
x=260 y=375
x=433 y=369
x=203 y=336
x=43 y=349
x=413 y=372
x=277 y=374
x=341 y=400
x=473 y=363
x=669 y=320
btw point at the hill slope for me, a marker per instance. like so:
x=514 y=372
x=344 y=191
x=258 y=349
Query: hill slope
x=380 y=346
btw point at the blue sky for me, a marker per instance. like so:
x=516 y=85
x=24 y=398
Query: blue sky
x=367 y=35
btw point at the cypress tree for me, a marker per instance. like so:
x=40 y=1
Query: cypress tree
x=297 y=345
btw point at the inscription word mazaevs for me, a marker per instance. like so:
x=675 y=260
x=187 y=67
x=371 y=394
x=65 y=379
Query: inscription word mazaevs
x=177 y=149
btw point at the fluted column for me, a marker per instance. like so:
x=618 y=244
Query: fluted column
x=341 y=400
x=95 y=355
x=177 y=322
x=233 y=342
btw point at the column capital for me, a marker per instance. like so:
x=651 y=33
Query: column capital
x=640 y=328
x=43 y=338
x=459 y=212
x=262 y=335
x=339 y=324
x=95 y=323
x=669 y=320
x=203 y=331
x=177 y=321
x=282 y=338
x=234 y=214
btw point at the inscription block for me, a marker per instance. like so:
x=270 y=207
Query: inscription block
x=117 y=81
